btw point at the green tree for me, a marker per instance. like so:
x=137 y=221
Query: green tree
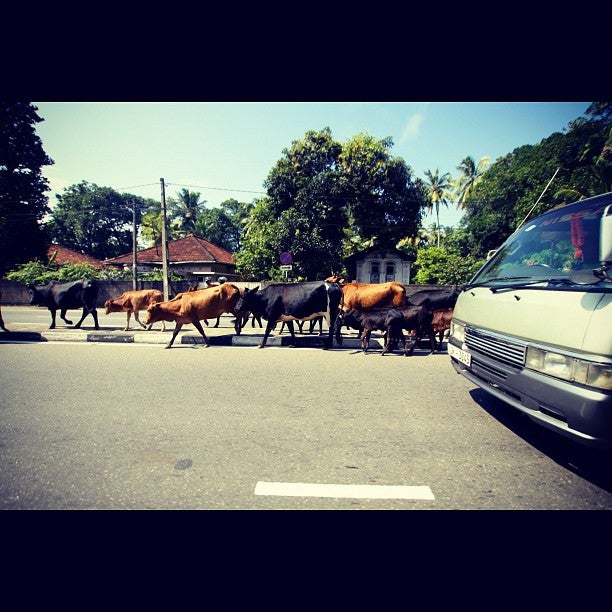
x=306 y=206
x=510 y=189
x=470 y=175
x=438 y=186
x=94 y=220
x=183 y=212
x=327 y=200
x=216 y=226
x=257 y=258
x=23 y=203
x=224 y=226
x=383 y=202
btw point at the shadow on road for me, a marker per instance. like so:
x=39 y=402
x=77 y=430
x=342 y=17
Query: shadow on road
x=591 y=464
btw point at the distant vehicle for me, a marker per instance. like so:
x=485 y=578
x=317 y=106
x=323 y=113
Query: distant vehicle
x=534 y=325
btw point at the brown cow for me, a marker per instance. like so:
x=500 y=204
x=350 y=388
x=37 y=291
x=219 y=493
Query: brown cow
x=132 y=302
x=193 y=307
x=371 y=295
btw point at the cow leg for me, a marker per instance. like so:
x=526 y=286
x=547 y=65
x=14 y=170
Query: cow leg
x=177 y=329
x=217 y=323
x=365 y=339
x=139 y=321
x=93 y=312
x=63 y=317
x=53 y=313
x=127 y=325
x=432 y=339
x=199 y=327
x=269 y=327
x=292 y=331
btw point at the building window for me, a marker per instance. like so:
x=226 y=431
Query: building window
x=389 y=272
x=375 y=272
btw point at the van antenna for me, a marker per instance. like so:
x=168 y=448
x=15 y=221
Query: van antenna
x=538 y=201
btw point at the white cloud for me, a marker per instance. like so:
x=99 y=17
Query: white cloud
x=411 y=129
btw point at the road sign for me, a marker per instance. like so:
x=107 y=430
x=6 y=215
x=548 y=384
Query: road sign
x=286 y=258
x=286 y=267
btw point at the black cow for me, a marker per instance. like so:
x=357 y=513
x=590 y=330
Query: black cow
x=434 y=299
x=61 y=296
x=1 y=319
x=294 y=302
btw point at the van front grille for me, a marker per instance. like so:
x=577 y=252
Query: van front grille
x=497 y=347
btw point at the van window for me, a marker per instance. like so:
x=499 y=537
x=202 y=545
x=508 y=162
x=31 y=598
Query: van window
x=552 y=245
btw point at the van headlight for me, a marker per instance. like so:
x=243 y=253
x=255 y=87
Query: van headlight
x=572 y=369
x=457 y=331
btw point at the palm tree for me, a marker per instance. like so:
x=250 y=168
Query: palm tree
x=439 y=190
x=471 y=174
x=185 y=210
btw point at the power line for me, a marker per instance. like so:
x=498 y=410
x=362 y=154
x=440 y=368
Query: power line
x=216 y=188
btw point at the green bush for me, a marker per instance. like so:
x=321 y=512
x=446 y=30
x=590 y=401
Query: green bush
x=37 y=273
x=443 y=266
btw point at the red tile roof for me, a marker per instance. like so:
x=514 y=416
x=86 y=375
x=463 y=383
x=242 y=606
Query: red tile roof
x=185 y=250
x=64 y=255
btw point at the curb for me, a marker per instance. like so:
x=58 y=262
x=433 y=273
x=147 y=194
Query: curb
x=316 y=342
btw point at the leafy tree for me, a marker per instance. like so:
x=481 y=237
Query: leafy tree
x=306 y=206
x=439 y=187
x=94 y=220
x=151 y=223
x=258 y=256
x=471 y=175
x=23 y=203
x=183 y=212
x=327 y=200
x=224 y=225
x=383 y=201
x=216 y=226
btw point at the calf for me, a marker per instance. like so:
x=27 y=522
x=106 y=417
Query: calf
x=132 y=302
x=193 y=307
x=419 y=320
x=441 y=322
x=294 y=302
x=67 y=296
x=388 y=320
x=415 y=319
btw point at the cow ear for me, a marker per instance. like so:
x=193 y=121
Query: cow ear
x=255 y=289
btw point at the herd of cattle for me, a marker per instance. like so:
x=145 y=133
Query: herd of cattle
x=365 y=307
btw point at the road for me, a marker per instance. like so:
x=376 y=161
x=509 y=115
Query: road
x=114 y=426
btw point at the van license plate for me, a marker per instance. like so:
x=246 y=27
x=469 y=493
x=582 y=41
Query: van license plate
x=459 y=355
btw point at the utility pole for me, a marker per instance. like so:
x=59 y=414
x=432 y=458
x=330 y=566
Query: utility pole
x=164 y=242
x=134 y=261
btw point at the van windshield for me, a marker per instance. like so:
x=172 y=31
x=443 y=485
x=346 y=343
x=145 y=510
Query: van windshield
x=549 y=248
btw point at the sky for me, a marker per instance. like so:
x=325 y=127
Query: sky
x=226 y=150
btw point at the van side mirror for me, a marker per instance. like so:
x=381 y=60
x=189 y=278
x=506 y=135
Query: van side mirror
x=605 y=236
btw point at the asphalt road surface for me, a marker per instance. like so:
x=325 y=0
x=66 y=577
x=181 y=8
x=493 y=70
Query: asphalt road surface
x=115 y=426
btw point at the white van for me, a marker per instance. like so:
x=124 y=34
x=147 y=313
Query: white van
x=534 y=325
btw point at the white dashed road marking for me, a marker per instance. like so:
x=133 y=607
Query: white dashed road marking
x=302 y=489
